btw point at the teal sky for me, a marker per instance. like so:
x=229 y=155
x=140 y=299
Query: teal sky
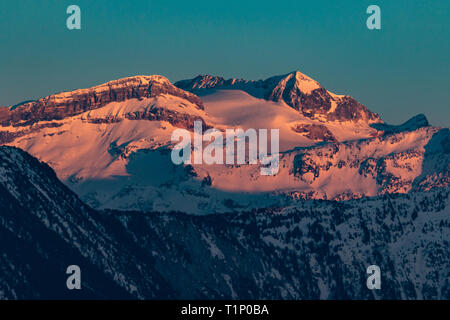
x=398 y=71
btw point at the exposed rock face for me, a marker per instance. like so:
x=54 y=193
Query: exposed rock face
x=209 y=82
x=421 y=166
x=296 y=89
x=177 y=119
x=152 y=113
x=315 y=132
x=7 y=137
x=68 y=104
x=436 y=163
x=412 y=124
x=349 y=109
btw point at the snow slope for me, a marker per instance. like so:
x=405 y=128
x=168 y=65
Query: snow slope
x=296 y=89
x=237 y=108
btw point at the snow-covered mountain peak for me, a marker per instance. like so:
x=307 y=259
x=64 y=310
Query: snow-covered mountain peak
x=123 y=83
x=296 y=89
x=305 y=83
x=205 y=82
x=297 y=80
x=66 y=104
x=140 y=80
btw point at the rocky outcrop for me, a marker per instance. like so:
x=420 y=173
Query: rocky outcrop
x=315 y=132
x=7 y=136
x=412 y=124
x=382 y=165
x=177 y=119
x=202 y=82
x=62 y=105
x=348 y=108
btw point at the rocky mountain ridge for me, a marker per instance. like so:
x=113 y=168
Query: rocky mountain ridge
x=67 y=104
x=295 y=89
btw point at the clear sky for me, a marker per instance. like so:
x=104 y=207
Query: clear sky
x=398 y=71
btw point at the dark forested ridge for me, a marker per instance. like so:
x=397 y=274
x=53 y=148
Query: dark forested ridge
x=315 y=249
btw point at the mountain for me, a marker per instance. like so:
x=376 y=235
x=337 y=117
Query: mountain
x=344 y=170
x=412 y=124
x=45 y=228
x=111 y=144
x=297 y=90
x=311 y=250
x=67 y=104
